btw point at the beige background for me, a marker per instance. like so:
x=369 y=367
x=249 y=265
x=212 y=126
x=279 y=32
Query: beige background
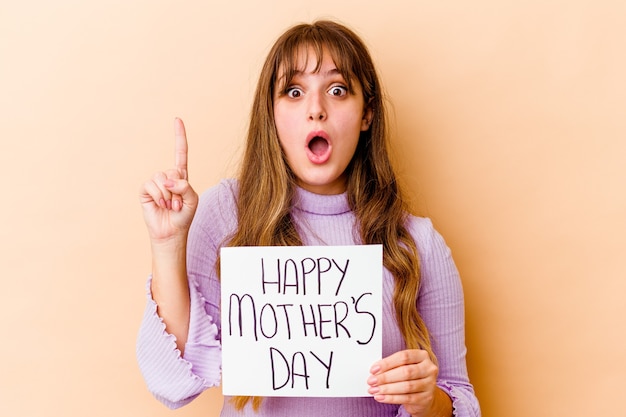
x=511 y=135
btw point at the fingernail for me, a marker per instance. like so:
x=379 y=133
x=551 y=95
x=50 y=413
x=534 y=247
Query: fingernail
x=373 y=390
x=379 y=397
x=176 y=205
x=372 y=380
x=162 y=203
x=169 y=204
x=375 y=369
x=168 y=183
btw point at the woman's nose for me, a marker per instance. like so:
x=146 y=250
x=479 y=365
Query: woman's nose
x=317 y=109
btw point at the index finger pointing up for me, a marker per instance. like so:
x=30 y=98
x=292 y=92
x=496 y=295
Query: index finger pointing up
x=181 y=147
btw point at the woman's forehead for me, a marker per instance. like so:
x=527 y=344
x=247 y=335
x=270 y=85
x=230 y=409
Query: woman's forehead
x=305 y=57
x=311 y=58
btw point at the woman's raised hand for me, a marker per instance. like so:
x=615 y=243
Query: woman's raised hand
x=168 y=201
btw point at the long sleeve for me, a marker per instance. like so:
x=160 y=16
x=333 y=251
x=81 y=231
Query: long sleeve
x=173 y=379
x=441 y=305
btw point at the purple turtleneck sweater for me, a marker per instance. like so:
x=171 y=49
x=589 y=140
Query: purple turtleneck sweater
x=321 y=220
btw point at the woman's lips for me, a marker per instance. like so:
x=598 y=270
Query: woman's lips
x=318 y=147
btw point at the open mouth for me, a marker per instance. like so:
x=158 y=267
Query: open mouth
x=318 y=145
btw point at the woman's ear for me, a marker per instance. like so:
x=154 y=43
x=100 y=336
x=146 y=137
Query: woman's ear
x=368 y=115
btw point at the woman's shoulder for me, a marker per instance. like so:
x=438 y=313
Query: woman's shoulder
x=426 y=237
x=421 y=228
x=218 y=206
x=225 y=192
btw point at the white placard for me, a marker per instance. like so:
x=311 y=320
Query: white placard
x=300 y=320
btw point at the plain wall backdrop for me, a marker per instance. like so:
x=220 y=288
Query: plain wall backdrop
x=510 y=134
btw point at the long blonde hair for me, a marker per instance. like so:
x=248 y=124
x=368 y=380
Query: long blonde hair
x=267 y=184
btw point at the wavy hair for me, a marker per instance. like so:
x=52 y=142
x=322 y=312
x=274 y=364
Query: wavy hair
x=267 y=184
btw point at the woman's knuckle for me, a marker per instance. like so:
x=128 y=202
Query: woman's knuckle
x=407 y=373
x=406 y=355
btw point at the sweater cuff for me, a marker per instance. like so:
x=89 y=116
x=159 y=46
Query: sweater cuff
x=203 y=348
x=203 y=351
x=168 y=376
x=463 y=405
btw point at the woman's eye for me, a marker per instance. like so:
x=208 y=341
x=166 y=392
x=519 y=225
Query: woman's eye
x=338 y=91
x=294 y=92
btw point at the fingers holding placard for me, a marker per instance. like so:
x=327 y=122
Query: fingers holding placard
x=407 y=377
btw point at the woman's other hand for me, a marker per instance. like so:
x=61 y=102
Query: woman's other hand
x=409 y=378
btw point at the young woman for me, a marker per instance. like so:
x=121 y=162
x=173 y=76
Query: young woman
x=315 y=171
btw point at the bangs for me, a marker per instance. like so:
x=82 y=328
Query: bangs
x=292 y=55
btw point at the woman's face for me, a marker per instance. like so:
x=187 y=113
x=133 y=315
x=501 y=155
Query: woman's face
x=319 y=123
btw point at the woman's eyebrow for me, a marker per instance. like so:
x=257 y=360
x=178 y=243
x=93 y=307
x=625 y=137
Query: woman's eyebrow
x=330 y=72
x=298 y=75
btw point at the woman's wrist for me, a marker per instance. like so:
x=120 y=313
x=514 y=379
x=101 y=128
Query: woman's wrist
x=169 y=246
x=442 y=404
x=170 y=288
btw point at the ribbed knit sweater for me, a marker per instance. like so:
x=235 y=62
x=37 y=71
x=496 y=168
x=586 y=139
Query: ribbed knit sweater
x=320 y=220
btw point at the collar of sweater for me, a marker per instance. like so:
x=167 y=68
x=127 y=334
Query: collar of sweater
x=321 y=204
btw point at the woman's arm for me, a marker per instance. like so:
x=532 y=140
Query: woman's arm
x=409 y=377
x=442 y=307
x=169 y=204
